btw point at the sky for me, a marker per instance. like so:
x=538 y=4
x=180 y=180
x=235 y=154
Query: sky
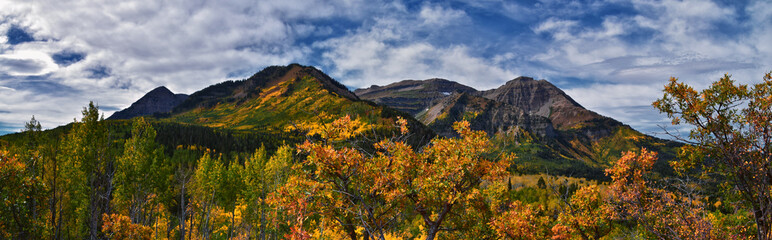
x=613 y=57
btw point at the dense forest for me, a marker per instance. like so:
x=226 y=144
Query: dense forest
x=150 y=179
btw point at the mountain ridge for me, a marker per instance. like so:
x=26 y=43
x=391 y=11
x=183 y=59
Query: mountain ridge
x=524 y=94
x=531 y=118
x=235 y=91
x=284 y=99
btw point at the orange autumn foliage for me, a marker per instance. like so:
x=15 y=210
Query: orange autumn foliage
x=521 y=221
x=119 y=227
x=730 y=136
x=662 y=213
x=587 y=215
x=349 y=187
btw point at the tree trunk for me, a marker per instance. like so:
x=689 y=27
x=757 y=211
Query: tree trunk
x=53 y=203
x=192 y=219
x=351 y=231
x=233 y=220
x=434 y=226
x=763 y=225
x=205 y=223
x=59 y=223
x=432 y=232
x=182 y=212
x=262 y=221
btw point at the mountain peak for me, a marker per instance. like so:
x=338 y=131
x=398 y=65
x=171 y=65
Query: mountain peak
x=542 y=98
x=533 y=97
x=243 y=90
x=483 y=114
x=327 y=82
x=158 y=100
x=520 y=79
x=161 y=89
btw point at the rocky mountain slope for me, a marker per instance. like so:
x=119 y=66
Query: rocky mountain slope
x=532 y=118
x=159 y=100
x=531 y=100
x=483 y=114
x=413 y=96
x=541 y=98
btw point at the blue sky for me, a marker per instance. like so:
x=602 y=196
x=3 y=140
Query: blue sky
x=612 y=57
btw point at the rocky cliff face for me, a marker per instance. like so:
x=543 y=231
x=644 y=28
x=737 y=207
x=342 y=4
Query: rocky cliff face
x=159 y=100
x=541 y=98
x=412 y=96
x=483 y=114
x=525 y=103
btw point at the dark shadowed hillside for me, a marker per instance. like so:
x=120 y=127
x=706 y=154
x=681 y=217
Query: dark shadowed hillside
x=159 y=100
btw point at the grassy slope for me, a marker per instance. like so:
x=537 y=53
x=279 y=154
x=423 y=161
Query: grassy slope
x=582 y=158
x=296 y=103
x=279 y=106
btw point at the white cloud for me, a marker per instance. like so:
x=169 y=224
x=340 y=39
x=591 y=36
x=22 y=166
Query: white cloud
x=385 y=52
x=628 y=103
x=561 y=30
x=26 y=63
x=439 y=16
x=185 y=45
x=666 y=38
x=631 y=56
x=614 y=95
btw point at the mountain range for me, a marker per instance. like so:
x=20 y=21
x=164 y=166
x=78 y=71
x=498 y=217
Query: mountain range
x=534 y=119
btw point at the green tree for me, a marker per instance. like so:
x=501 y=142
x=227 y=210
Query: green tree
x=141 y=173
x=205 y=187
x=32 y=154
x=263 y=175
x=255 y=185
x=52 y=177
x=231 y=186
x=732 y=127
x=89 y=171
x=183 y=162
